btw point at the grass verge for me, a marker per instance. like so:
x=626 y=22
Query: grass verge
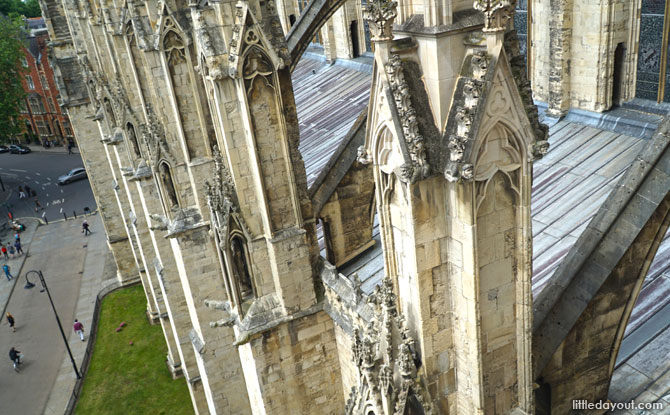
x=129 y=379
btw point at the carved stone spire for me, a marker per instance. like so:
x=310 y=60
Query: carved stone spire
x=221 y=199
x=497 y=13
x=385 y=355
x=380 y=15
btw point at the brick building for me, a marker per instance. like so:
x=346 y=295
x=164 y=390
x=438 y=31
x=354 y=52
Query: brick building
x=44 y=119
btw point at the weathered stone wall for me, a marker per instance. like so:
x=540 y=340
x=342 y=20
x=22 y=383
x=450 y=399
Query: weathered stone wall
x=297 y=367
x=348 y=214
x=581 y=37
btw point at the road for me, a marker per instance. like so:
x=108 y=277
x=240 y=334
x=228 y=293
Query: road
x=40 y=171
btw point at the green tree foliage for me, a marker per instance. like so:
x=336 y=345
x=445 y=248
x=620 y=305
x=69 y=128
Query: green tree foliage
x=28 y=8
x=11 y=73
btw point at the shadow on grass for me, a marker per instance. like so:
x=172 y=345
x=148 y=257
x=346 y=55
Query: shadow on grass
x=129 y=379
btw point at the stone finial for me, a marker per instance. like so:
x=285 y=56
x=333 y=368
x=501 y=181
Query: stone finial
x=496 y=13
x=380 y=15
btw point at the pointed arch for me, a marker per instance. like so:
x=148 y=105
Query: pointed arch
x=169 y=194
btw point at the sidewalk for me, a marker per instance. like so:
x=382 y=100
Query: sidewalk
x=52 y=149
x=16 y=263
x=74 y=268
x=99 y=272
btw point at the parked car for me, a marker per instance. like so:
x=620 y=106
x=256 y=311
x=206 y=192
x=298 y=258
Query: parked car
x=73 y=175
x=4 y=149
x=18 y=149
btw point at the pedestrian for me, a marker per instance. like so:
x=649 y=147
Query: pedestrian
x=28 y=191
x=7 y=273
x=4 y=252
x=79 y=329
x=38 y=206
x=17 y=237
x=11 y=250
x=22 y=195
x=17 y=245
x=85 y=228
x=10 y=320
x=69 y=147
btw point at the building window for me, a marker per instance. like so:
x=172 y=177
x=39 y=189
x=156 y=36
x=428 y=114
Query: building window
x=51 y=105
x=133 y=140
x=240 y=266
x=41 y=128
x=44 y=82
x=36 y=105
x=23 y=107
x=24 y=62
x=68 y=130
x=29 y=80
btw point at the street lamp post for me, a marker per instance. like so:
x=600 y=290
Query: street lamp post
x=60 y=326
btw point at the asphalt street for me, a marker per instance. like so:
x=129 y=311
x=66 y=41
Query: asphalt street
x=40 y=171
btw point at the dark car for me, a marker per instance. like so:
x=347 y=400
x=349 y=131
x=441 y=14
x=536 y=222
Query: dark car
x=18 y=149
x=4 y=149
x=73 y=175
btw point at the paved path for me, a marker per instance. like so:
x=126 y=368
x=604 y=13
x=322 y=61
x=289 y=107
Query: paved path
x=74 y=267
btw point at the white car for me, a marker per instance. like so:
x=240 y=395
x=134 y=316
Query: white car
x=73 y=175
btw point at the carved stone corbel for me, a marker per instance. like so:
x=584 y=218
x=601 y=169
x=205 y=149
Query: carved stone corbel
x=380 y=15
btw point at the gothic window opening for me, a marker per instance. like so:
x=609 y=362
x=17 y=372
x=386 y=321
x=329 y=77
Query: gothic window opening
x=323 y=230
x=170 y=193
x=239 y=263
x=109 y=112
x=132 y=137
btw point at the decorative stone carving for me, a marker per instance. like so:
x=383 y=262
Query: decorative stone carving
x=236 y=41
x=158 y=222
x=415 y=143
x=480 y=64
x=496 y=13
x=386 y=360
x=154 y=139
x=380 y=15
x=459 y=142
x=222 y=200
x=229 y=314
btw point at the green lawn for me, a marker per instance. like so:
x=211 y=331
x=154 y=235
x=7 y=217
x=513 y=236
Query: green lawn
x=124 y=379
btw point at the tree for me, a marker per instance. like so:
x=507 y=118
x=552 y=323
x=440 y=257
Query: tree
x=28 y=8
x=11 y=74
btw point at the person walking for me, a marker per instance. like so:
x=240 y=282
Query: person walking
x=29 y=192
x=10 y=320
x=11 y=249
x=38 y=206
x=85 y=228
x=4 y=252
x=7 y=273
x=17 y=246
x=69 y=147
x=78 y=328
x=22 y=195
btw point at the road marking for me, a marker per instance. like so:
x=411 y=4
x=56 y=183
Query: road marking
x=61 y=190
x=20 y=171
x=49 y=178
x=47 y=194
x=37 y=183
x=37 y=174
x=56 y=202
x=61 y=210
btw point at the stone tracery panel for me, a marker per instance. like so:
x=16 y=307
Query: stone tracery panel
x=268 y=130
x=179 y=67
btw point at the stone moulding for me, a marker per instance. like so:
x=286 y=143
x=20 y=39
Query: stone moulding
x=419 y=167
